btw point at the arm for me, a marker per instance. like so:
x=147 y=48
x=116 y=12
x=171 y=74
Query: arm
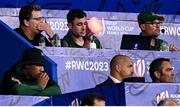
x=24 y=89
x=49 y=87
x=51 y=90
x=44 y=26
x=89 y=38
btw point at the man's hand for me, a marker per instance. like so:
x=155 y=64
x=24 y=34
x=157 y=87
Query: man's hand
x=44 y=26
x=173 y=47
x=43 y=80
x=89 y=38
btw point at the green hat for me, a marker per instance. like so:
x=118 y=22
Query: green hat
x=148 y=16
x=33 y=56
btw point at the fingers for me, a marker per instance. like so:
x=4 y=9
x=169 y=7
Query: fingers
x=44 y=76
x=43 y=80
x=173 y=47
x=46 y=28
x=90 y=36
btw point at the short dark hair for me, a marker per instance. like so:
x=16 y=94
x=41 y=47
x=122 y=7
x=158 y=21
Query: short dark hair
x=75 y=13
x=88 y=100
x=166 y=102
x=156 y=65
x=26 y=12
x=115 y=59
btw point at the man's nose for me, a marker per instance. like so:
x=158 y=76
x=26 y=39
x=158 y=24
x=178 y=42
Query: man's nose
x=84 y=27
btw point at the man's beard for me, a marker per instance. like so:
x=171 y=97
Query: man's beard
x=77 y=34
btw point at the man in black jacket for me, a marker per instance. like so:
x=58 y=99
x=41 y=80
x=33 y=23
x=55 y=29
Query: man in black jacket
x=121 y=68
x=32 y=23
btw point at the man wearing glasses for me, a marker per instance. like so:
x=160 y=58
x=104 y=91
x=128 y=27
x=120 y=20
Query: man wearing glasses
x=32 y=23
x=149 y=24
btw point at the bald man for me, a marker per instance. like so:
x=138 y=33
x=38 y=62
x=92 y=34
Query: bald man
x=121 y=68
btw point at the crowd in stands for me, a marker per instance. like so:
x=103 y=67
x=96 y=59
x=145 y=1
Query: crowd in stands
x=28 y=76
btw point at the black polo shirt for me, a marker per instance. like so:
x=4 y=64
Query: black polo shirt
x=35 y=41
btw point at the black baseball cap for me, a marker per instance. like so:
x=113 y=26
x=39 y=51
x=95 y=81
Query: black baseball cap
x=33 y=56
x=148 y=16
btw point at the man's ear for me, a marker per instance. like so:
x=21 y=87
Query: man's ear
x=157 y=74
x=142 y=26
x=69 y=25
x=118 y=68
x=26 y=22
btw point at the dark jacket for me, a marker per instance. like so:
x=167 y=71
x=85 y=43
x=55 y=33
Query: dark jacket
x=16 y=82
x=158 y=45
x=109 y=81
x=68 y=41
x=36 y=40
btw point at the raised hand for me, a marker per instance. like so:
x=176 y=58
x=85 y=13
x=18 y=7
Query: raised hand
x=44 y=26
x=43 y=80
x=173 y=47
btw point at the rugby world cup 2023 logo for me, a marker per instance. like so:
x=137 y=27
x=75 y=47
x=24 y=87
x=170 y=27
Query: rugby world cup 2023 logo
x=75 y=102
x=163 y=95
x=139 y=68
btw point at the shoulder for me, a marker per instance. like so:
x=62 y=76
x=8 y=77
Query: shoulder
x=17 y=29
x=109 y=81
x=66 y=41
x=10 y=78
x=13 y=71
x=161 y=41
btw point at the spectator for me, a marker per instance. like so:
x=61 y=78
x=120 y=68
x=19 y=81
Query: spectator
x=121 y=68
x=161 y=71
x=32 y=23
x=79 y=35
x=93 y=99
x=167 y=102
x=149 y=24
x=28 y=77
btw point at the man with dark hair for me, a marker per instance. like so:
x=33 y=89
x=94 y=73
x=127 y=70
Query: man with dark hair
x=28 y=77
x=149 y=23
x=32 y=23
x=167 y=102
x=79 y=35
x=93 y=99
x=121 y=68
x=161 y=70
